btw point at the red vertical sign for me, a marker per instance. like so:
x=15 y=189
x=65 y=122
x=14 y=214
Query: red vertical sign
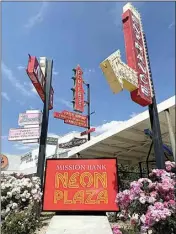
x=79 y=91
x=38 y=79
x=136 y=55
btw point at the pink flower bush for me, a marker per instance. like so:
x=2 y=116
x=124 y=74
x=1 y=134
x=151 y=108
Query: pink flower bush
x=150 y=203
x=116 y=230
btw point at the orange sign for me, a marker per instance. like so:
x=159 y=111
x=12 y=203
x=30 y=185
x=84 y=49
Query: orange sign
x=87 y=132
x=80 y=185
x=4 y=161
x=76 y=122
x=38 y=80
x=72 y=118
x=69 y=115
x=79 y=91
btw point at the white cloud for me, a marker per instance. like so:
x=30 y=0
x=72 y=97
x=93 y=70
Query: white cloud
x=171 y=25
x=5 y=96
x=32 y=88
x=28 y=147
x=52 y=135
x=21 y=147
x=133 y=114
x=20 y=102
x=108 y=126
x=116 y=13
x=20 y=67
x=65 y=102
x=25 y=147
x=14 y=81
x=88 y=71
x=38 y=17
x=31 y=108
x=55 y=73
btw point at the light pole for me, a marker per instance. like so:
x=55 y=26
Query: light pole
x=154 y=120
x=45 y=118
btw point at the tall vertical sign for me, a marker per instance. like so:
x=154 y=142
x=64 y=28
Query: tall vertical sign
x=140 y=85
x=136 y=54
x=78 y=90
x=40 y=74
x=79 y=103
x=36 y=72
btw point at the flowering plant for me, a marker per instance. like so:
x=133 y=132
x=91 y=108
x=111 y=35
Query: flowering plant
x=150 y=202
x=20 y=203
x=17 y=192
x=116 y=229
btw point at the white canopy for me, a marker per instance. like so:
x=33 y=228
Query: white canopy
x=128 y=142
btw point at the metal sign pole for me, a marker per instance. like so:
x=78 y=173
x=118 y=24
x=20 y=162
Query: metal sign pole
x=88 y=109
x=44 y=126
x=154 y=120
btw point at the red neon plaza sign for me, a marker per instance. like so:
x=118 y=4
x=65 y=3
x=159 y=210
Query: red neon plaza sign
x=80 y=185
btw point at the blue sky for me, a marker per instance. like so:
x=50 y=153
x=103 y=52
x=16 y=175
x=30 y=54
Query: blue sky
x=82 y=33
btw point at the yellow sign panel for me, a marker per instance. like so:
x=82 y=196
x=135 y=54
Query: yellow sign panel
x=118 y=74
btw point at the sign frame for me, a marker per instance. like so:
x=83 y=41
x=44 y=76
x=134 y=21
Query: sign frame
x=81 y=211
x=28 y=138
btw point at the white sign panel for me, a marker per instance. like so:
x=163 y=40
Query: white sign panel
x=19 y=134
x=31 y=141
x=29 y=119
x=43 y=65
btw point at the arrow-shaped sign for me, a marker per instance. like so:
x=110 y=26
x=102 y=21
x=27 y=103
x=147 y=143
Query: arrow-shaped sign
x=118 y=74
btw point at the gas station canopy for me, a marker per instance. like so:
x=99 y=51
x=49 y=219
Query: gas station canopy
x=128 y=141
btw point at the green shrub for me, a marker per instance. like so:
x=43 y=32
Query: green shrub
x=20 y=204
x=21 y=222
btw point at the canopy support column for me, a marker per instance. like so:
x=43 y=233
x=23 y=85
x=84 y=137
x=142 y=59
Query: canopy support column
x=171 y=133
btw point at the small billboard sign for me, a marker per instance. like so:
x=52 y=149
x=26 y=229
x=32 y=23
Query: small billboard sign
x=72 y=118
x=80 y=185
x=52 y=141
x=87 y=132
x=76 y=123
x=74 y=142
x=36 y=141
x=69 y=115
x=20 y=134
x=29 y=119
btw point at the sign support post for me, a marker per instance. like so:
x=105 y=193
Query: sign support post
x=154 y=120
x=88 y=109
x=44 y=126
